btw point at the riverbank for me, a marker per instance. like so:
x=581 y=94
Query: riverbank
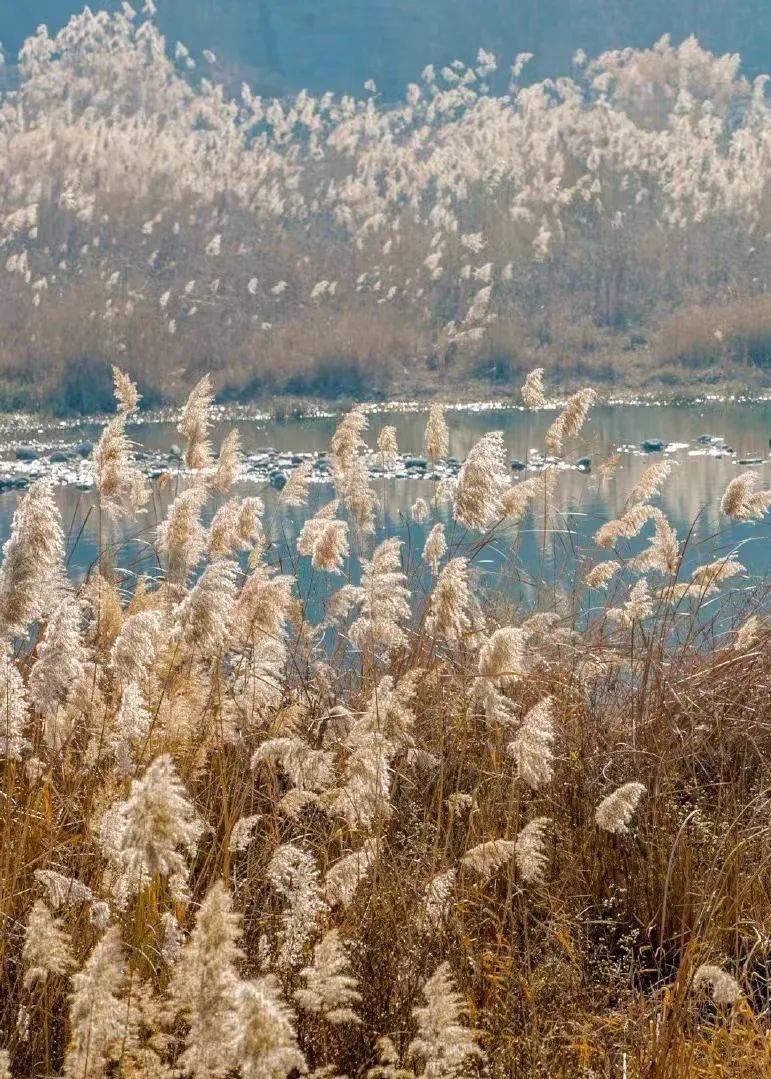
x=280 y=409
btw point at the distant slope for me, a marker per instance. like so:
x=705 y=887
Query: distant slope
x=282 y=45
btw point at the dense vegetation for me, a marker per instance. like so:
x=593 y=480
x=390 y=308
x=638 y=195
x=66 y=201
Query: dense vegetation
x=615 y=223
x=336 y=810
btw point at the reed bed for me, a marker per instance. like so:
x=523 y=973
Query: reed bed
x=609 y=225
x=431 y=830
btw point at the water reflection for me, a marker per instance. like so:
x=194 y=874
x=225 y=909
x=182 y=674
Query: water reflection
x=520 y=558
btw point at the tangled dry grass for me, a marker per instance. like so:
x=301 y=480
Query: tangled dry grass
x=418 y=830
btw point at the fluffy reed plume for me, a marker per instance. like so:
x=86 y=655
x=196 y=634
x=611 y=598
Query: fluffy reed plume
x=58 y=668
x=637 y=608
x=364 y=795
x=96 y=1012
x=714 y=573
x=5 y=1064
x=153 y=832
x=62 y=891
x=532 y=747
x=481 y=483
x=14 y=711
x=122 y=489
x=445 y=490
x=133 y=652
x=435 y=548
x=383 y=599
x=330 y=989
x=503 y=656
x=265 y=1041
x=615 y=811
x=532 y=390
x=205 y=990
x=448 y=608
x=243 y=832
x=517 y=497
x=325 y=540
x=297 y=487
x=347 y=440
x=650 y=483
x=487 y=858
x=436 y=439
x=724 y=987
x=746 y=635
x=180 y=537
x=529 y=853
x=132 y=727
x=47 y=949
x=194 y=425
x=294 y=875
x=202 y=620
x=570 y=421
x=626 y=526
x=228 y=462
x=447 y=1047
x=419 y=511
x=344 y=877
x=663 y=552
x=609 y=467
x=236 y=526
x=601 y=575
x=307 y=768
x=741 y=501
x=33 y=555
x=388 y=448
x=357 y=495
x=437 y=897
x=388 y=1062
x=126 y=393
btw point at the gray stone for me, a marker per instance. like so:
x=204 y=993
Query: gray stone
x=26 y=453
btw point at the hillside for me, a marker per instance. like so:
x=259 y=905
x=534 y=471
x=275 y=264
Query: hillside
x=159 y=209
x=284 y=45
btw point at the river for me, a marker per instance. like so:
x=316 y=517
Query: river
x=691 y=496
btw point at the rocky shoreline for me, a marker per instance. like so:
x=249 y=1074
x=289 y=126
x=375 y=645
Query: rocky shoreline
x=73 y=465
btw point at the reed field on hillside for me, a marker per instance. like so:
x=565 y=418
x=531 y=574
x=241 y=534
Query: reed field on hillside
x=612 y=226
x=380 y=819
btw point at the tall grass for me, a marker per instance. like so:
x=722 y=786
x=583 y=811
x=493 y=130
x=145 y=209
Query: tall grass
x=320 y=245
x=425 y=830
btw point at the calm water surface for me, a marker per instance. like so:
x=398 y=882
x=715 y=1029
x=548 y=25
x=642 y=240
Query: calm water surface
x=523 y=557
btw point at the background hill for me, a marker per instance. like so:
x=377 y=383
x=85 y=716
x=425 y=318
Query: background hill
x=284 y=45
x=460 y=226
